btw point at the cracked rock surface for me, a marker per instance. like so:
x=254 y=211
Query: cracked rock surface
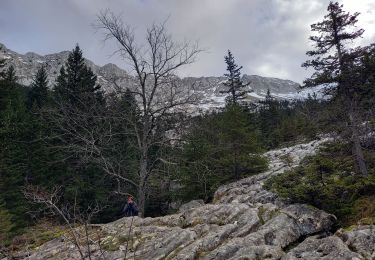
x=244 y=221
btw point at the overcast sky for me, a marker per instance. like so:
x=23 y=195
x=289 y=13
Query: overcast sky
x=267 y=37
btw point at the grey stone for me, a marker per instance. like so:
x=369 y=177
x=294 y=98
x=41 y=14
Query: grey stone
x=360 y=240
x=330 y=247
x=190 y=205
x=244 y=222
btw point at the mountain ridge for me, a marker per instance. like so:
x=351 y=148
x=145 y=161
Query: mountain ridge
x=108 y=75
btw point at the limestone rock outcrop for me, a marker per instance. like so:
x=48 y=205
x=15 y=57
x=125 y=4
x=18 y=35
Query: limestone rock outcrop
x=244 y=221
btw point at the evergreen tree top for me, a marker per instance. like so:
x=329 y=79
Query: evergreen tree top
x=2 y=64
x=330 y=44
x=2 y=72
x=75 y=60
x=10 y=75
x=38 y=93
x=233 y=69
x=76 y=81
x=234 y=83
x=40 y=80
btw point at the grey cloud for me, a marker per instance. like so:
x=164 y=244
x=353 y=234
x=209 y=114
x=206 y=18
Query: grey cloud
x=267 y=37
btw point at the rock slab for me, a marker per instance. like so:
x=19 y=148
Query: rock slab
x=244 y=221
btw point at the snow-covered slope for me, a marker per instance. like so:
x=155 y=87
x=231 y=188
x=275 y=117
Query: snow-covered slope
x=207 y=88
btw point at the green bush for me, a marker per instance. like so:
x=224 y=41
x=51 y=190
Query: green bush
x=219 y=148
x=327 y=181
x=5 y=223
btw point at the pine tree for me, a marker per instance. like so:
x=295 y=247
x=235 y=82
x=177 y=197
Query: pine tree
x=15 y=138
x=269 y=103
x=2 y=72
x=10 y=75
x=2 y=65
x=333 y=63
x=269 y=119
x=8 y=87
x=76 y=84
x=38 y=93
x=236 y=88
x=77 y=117
x=3 y=85
x=330 y=45
x=220 y=147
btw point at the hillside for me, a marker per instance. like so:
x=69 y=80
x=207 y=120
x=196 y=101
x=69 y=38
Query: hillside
x=243 y=222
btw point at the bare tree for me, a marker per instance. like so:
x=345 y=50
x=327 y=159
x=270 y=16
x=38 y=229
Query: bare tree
x=157 y=89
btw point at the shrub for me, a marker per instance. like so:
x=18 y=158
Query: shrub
x=328 y=181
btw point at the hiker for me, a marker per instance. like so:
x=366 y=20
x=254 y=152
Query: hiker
x=130 y=209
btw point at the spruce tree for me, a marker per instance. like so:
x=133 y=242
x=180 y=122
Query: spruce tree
x=8 y=87
x=76 y=84
x=236 y=88
x=2 y=72
x=75 y=117
x=39 y=89
x=2 y=65
x=219 y=148
x=269 y=119
x=331 y=48
x=10 y=75
x=333 y=61
x=16 y=138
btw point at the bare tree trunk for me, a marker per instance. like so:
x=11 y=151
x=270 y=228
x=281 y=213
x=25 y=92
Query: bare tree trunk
x=355 y=138
x=236 y=164
x=142 y=186
x=357 y=148
x=157 y=91
x=141 y=199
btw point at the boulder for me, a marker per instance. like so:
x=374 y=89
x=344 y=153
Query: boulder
x=331 y=247
x=191 y=205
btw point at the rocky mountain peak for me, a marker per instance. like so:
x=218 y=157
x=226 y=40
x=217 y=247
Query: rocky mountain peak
x=208 y=87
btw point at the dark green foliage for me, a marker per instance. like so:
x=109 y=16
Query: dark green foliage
x=2 y=65
x=327 y=181
x=336 y=62
x=76 y=84
x=38 y=93
x=331 y=51
x=8 y=85
x=10 y=75
x=6 y=224
x=31 y=154
x=76 y=116
x=121 y=149
x=6 y=91
x=220 y=147
x=17 y=132
x=283 y=122
x=234 y=83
